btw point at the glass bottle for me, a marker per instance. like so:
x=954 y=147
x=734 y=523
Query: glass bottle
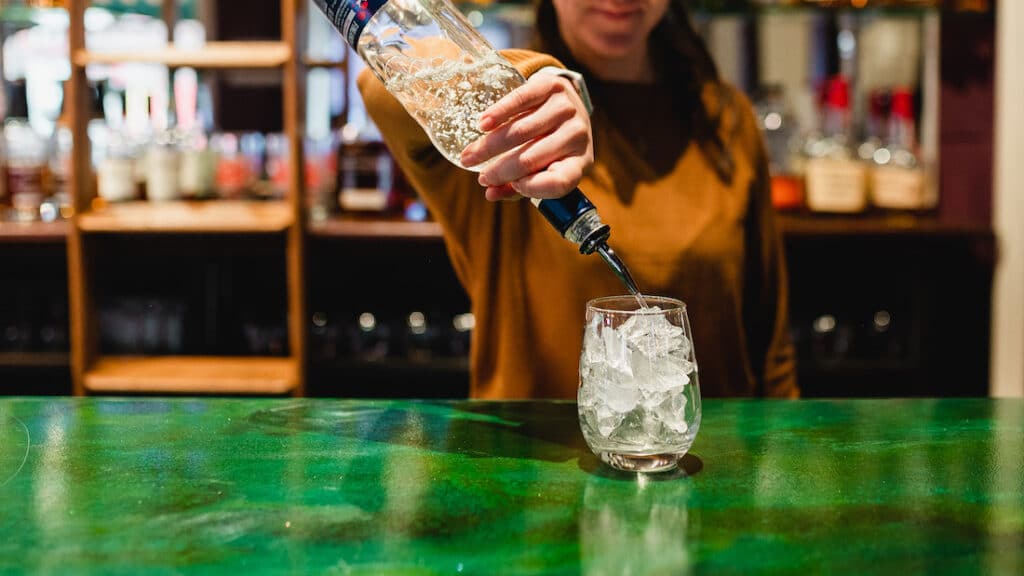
x=835 y=178
x=321 y=174
x=116 y=180
x=779 y=128
x=198 y=164
x=277 y=165
x=163 y=161
x=26 y=164
x=232 y=166
x=446 y=74
x=365 y=171
x=897 y=179
x=874 y=127
x=253 y=148
x=163 y=168
x=58 y=204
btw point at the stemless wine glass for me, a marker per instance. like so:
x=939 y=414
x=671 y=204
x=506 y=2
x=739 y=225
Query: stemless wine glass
x=639 y=399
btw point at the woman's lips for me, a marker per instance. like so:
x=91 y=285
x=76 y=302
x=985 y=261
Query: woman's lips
x=616 y=15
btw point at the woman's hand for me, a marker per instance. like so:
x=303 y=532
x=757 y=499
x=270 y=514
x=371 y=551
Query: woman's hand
x=547 y=118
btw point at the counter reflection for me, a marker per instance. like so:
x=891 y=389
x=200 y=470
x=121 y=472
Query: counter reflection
x=635 y=525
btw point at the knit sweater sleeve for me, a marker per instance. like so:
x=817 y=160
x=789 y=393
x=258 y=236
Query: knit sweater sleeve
x=452 y=194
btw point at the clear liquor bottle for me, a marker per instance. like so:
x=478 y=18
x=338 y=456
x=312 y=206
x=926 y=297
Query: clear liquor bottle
x=446 y=74
x=875 y=133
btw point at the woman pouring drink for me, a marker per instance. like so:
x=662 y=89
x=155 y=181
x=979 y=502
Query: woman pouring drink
x=673 y=160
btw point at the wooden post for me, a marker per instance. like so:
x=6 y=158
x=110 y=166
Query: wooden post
x=294 y=129
x=83 y=333
x=169 y=13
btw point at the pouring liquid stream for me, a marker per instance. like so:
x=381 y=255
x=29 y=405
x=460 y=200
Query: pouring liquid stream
x=619 y=268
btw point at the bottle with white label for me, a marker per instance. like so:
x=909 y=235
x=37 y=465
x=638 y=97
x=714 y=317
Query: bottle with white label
x=897 y=179
x=446 y=74
x=836 y=179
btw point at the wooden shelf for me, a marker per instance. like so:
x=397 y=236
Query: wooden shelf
x=218 y=217
x=35 y=360
x=792 y=225
x=798 y=225
x=402 y=366
x=317 y=63
x=212 y=55
x=34 y=232
x=375 y=229
x=192 y=375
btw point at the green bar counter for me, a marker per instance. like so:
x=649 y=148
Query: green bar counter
x=281 y=486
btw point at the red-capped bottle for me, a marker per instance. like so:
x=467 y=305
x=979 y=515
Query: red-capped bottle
x=835 y=177
x=897 y=176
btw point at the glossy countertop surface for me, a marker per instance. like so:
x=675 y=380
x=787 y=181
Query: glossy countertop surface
x=158 y=486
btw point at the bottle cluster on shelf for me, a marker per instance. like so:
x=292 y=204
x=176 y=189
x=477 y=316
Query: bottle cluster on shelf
x=878 y=336
x=38 y=323
x=168 y=326
x=835 y=167
x=375 y=337
x=35 y=174
x=160 y=159
x=346 y=173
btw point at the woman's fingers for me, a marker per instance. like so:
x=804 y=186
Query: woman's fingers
x=559 y=179
x=530 y=95
x=503 y=192
x=570 y=140
x=530 y=109
x=542 y=121
x=537 y=142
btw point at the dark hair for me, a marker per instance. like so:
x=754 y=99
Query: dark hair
x=681 y=61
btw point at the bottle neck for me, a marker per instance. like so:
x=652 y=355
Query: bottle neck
x=836 y=122
x=902 y=133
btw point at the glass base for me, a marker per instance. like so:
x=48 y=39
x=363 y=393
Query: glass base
x=640 y=462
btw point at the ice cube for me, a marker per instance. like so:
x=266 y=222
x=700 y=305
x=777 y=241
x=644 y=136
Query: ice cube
x=619 y=397
x=652 y=334
x=586 y=398
x=608 y=420
x=593 y=345
x=672 y=412
x=656 y=376
x=616 y=352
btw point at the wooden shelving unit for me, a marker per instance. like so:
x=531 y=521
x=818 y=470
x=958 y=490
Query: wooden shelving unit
x=375 y=229
x=193 y=375
x=797 y=225
x=35 y=359
x=93 y=372
x=212 y=55
x=317 y=63
x=790 y=225
x=226 y=217
x=34 y=232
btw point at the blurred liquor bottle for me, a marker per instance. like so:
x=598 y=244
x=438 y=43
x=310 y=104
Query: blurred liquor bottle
x=897 y=177
x=781 y=136
x=366 y=170
x=57 y=204
x=835 y=177
x=25 y=159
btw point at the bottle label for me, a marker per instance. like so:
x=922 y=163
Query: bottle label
x=350 y=16
x=898 y=188
x=835 y=185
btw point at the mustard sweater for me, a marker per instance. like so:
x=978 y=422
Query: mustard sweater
x=680 y=229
